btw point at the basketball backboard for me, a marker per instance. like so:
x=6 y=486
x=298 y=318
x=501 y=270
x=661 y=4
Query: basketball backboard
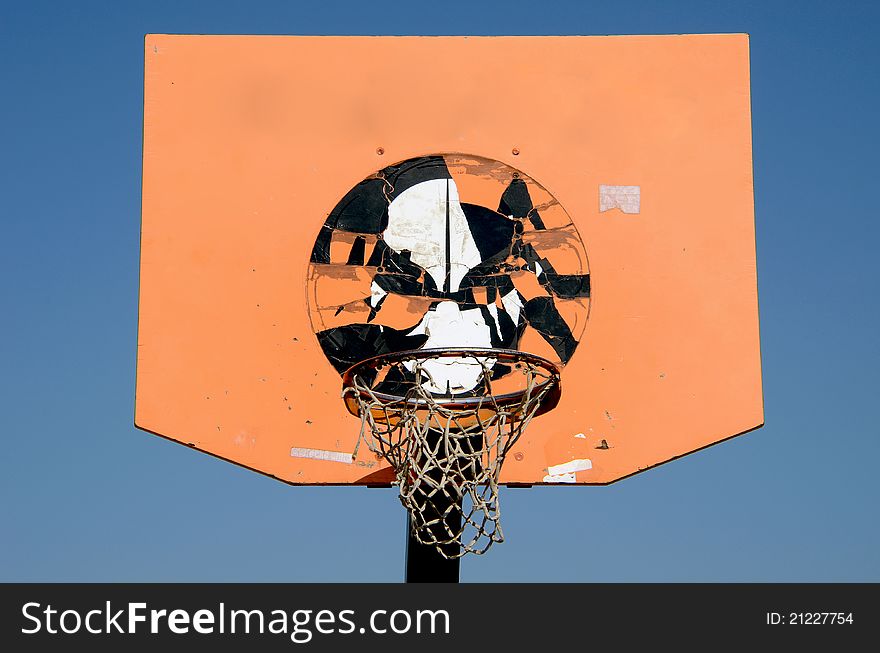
x=312 y=201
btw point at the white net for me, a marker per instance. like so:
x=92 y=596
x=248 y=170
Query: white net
x=447 y=450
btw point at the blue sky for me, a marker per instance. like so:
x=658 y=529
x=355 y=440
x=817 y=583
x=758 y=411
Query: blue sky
x=86 y=496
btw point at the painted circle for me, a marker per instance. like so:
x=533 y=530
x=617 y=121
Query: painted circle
x=448 y=250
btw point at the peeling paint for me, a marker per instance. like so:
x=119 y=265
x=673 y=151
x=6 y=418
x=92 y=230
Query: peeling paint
x=417 y=223
x=417 y=256
x=243 y=440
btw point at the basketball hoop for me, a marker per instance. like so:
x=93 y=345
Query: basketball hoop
x=447 y=444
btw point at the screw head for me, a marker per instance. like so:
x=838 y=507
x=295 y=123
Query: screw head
x=380 y=151
x=515 y=151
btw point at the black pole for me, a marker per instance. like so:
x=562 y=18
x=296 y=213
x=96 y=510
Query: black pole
x=425 y=564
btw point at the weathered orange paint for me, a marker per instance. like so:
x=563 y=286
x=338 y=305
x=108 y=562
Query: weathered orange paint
x=249 y=141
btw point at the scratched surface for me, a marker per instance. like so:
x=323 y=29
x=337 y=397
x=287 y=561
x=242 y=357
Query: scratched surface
x=514 y=276
x=258 y=285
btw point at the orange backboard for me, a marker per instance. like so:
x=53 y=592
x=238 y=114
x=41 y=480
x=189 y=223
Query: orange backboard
x=288 y=194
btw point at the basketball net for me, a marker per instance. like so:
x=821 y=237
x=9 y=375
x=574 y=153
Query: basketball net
x=447 y=451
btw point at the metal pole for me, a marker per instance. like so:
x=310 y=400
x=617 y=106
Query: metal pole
x=425 y=564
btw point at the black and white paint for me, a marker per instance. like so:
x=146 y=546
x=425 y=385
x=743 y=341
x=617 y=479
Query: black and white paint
x=424 y=241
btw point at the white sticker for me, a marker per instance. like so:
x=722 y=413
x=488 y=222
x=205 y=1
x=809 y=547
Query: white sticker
x=560 y=478
x=626 y=198
x=321 y=454
x=577 y=465
x=567 y=472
